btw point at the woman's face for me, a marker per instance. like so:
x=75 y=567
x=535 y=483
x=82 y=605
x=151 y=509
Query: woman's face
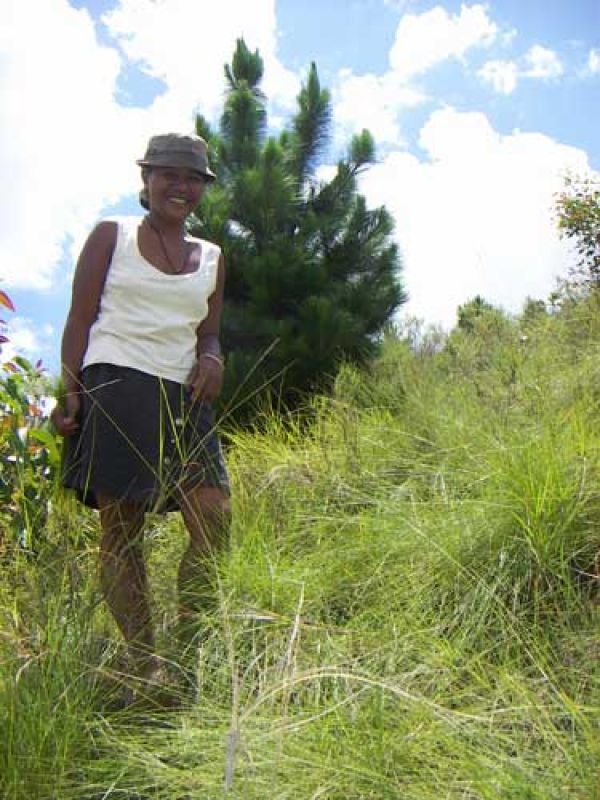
x=173 y=191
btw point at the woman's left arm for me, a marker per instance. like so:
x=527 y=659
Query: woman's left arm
x=205 y=381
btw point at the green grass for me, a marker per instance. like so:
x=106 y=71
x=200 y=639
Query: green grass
x=408 y=608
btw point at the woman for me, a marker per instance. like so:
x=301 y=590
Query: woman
x=141 y=366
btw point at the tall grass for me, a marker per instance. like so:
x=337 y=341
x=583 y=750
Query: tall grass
x=409 y=607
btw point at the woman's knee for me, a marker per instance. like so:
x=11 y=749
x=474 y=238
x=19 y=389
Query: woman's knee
x=118 y=512
x=206 y=511
x=122 y=525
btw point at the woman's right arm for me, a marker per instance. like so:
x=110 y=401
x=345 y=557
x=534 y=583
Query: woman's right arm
x=88 y=284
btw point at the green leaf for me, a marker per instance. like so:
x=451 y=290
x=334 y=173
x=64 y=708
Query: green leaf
x=46 y=438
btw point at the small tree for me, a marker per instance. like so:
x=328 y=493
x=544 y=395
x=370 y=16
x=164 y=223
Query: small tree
x=534 y=310
x=473 y=310
x=480 y=349
x=312 y=274
x=578 y=209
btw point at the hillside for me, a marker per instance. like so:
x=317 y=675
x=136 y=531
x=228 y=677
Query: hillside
x=409 y=607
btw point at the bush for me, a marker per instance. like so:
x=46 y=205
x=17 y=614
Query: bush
x=29 y=454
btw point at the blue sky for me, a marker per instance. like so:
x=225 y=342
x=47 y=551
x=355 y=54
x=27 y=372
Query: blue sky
x=477 y=109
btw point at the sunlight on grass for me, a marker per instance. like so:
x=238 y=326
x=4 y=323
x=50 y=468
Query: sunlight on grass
x=409 y=607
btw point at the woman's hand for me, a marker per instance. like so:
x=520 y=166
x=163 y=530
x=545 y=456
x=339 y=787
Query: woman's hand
x=205 y=381
x=65 y=414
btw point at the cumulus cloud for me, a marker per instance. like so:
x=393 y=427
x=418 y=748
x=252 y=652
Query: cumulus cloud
x=67 y=147
x=425 y=40
x=542 y=63
x=475 y=215
x=57 y=105
x=538 y=63
x=373 y=101
x=422 y=41
x=180 y=43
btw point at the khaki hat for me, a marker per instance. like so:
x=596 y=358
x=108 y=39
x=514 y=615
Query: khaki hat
x=177 y=150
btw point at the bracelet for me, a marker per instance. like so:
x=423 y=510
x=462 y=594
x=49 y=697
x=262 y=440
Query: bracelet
x=214 y=357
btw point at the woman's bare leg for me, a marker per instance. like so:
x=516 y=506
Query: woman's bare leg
x=206 y=512
x=123 y=576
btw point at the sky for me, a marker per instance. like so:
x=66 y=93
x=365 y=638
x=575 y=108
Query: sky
x=478 y=111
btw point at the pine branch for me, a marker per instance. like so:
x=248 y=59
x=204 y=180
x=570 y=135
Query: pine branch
x=311 y=125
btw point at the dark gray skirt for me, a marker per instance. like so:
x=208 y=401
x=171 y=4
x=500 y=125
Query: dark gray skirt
x=141 y=438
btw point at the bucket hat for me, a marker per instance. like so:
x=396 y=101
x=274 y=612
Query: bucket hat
x=178 y=150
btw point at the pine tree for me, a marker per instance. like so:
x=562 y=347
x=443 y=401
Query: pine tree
x=312 y=274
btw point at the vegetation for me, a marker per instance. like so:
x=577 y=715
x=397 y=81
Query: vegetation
x=409 y=607
x=313 y=274
x=29 y=453
x=578 y=207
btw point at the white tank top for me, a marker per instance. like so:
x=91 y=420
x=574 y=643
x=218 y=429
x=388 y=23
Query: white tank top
x=148 y=319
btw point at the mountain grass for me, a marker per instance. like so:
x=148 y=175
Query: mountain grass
x=409 y=607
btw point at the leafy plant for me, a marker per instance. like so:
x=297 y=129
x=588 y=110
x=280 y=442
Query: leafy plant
x=578 y=209
x=29 y=453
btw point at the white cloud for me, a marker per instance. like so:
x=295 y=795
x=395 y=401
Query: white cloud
x=56 y=108
x=186 y=45
x=424 y=40
x=475 y=216
x=593 y=62
x=27 y=339
x=67 y=148
x=538 y=62
x=542 y=63
x=500 y=75
x=374 y=102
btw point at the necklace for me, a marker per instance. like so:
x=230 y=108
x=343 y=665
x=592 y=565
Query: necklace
x=163 y=247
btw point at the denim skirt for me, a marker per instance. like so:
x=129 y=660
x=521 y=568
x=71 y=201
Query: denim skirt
x=141 y=438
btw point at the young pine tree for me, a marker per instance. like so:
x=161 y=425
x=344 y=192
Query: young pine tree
x=312 y=274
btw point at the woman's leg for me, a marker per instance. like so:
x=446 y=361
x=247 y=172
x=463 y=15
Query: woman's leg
x=123 y=576
x=207 y=513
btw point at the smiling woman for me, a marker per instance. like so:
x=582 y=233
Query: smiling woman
x=141 y=368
